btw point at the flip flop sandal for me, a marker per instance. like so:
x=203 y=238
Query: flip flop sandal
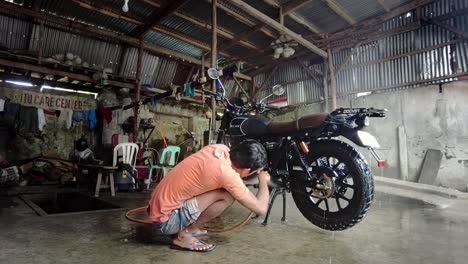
x=193 y=246
x=200 y=232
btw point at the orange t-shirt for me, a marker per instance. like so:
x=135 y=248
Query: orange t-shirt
x=208 y=169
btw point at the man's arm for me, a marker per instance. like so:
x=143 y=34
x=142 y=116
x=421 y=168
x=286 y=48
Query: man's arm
x=259 y=203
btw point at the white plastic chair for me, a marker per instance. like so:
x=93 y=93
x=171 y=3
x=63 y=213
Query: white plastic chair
x=128 y=151
x=129 y=154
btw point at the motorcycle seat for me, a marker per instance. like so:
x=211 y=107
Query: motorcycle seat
x=305 y=122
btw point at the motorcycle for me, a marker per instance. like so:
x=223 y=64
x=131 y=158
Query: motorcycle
x=330 y=181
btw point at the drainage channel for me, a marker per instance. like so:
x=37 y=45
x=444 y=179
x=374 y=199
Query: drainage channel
x=65 y=203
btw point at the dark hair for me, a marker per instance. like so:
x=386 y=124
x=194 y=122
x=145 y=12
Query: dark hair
x=249 y=154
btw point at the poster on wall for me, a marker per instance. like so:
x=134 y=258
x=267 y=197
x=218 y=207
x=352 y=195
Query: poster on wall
x=47 y=101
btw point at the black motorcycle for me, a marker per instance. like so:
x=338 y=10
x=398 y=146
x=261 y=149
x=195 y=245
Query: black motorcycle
x=330 y=181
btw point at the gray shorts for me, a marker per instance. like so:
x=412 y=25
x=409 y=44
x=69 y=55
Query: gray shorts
x=179 y=219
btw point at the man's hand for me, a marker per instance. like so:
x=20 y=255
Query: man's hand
x=264 y=177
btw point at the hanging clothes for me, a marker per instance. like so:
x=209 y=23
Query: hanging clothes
x=12 y=109
x=68 y=114
x=106 y=113
x=27 y=121
x=2 y=105
x=188 y=89
x=41 y=119
x=78 y=116
x=49 y=112
x=92 y=118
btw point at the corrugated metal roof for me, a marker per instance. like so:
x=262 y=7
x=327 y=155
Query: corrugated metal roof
x=264 y=8
x=93 y=51
x=186 y=28
x=202 y=10
x=135 y=7
x=322 y=16
x=362 y=9
x=174 y=44
x=159 y=72
x=74 y=11
x=14 y=33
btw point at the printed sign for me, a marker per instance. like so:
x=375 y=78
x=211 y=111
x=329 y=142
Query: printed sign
x=48 y=101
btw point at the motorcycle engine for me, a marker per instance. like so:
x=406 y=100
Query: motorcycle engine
x=274 y=156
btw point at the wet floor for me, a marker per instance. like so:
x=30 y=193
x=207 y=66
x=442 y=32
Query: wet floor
x=396 y=230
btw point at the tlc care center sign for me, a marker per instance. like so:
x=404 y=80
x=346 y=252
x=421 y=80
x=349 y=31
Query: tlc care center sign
x=48 y=101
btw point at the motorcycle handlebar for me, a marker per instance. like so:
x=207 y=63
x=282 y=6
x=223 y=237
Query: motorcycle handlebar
x=272 y=107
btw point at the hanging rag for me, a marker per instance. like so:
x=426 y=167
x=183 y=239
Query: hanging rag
x=68 y=114
x=92 y=118
x=12 y=109
x=188 y=89
x=106 y=113
x=41 y=119
x=49 y=112
x=153 y=102
x=27 y=122
x=78 y=116
x=2 y=105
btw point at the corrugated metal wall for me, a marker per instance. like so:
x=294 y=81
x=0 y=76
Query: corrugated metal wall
x=429 y=54
x=157 y=71
x=93 y=51
x=300 y=86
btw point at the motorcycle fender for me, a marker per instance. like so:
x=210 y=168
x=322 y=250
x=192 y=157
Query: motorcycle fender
x=362 y=138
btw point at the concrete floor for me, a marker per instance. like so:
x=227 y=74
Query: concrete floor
x=396 y=230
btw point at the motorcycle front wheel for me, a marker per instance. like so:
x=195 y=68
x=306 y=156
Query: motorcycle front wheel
x=340 y=194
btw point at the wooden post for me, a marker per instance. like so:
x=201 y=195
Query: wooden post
x=137 y=91
x=242 y=88
x=333 y=80
x=214 y=43
x=325 y=85
x=203 y=73
x=41 y=42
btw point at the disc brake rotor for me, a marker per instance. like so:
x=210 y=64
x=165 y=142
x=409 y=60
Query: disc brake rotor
x=325 y=187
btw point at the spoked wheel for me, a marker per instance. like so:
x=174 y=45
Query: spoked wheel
x=342 y=190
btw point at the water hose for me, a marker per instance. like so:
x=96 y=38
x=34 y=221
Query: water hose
x=129 y=217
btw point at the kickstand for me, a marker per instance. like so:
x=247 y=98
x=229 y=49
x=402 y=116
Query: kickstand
x=274 y=194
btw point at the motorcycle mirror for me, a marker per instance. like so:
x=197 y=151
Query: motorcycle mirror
x=278 y=89
x=214 y=73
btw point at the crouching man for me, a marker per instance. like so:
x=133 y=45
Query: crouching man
x=202 y=186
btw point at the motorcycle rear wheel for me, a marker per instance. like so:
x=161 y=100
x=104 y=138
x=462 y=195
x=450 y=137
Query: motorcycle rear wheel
x=353 y=187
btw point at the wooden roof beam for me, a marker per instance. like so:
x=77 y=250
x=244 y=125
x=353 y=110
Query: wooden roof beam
x=157 y=16
x=206 y=25
x=244 y=19
x=281 y=28
x=340 y=11
x=292 y=5
x=297 y=18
